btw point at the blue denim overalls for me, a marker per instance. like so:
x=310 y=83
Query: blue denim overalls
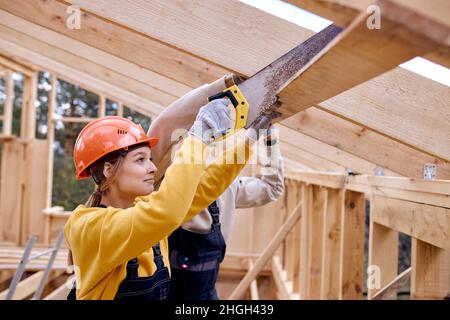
x=133 y=287
x=195 y=260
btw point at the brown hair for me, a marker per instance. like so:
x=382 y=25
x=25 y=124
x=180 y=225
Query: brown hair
x=103 y=183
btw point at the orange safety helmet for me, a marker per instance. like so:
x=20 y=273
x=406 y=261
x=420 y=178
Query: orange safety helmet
x=103 y=136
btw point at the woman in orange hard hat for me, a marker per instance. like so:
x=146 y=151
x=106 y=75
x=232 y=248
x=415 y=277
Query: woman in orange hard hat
x=118 y=239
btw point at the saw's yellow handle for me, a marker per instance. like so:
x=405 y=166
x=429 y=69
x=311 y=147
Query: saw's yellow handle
x=240 y=104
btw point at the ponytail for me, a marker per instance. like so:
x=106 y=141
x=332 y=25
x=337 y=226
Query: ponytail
x=95 y=199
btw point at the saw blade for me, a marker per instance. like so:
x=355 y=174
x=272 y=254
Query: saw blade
x=261 y=89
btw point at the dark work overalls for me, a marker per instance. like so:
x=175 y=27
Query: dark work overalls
x=195 y=260
x=133 y=287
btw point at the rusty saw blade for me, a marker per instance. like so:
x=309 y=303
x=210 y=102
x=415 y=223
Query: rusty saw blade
x=261 y=89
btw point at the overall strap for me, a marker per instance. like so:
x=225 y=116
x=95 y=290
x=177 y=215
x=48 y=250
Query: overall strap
x=157 y=256
x=214 y=212
x=132 y=269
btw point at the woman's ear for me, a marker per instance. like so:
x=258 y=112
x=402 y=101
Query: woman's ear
x=107 y=167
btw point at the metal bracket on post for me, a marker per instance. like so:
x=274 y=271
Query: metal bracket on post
x=26 y=258
x=429 y=171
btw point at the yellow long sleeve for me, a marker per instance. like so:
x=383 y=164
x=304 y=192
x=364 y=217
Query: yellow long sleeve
x=102 y=240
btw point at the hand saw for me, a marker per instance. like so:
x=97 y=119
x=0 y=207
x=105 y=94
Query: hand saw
x=258 y=93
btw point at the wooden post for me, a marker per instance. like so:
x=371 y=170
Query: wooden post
x=430 y=275
x=383 y=256
x=120 y=109
x=11 y=192
x=50 y=158
x=331 y=239
x=9 y=102
x=289 y=262
x=307 y=197
x=28 y=117
x=315 y=229
x=101 y=106
x=352 y=246
x=297 y=196
x=51 y=138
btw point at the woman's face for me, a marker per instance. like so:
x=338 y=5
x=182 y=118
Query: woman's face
x=135 y=176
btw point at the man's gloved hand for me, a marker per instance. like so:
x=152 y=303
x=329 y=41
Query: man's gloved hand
x=213 y=120
x=261 y=125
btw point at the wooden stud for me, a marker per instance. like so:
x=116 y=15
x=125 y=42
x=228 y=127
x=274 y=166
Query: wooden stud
x=364 y=143
x=120 y=109
x=315 y=234
x=352 y=246
x=9 y=103
x=101 y=105
x=383 y=255
x=331 y=239
x=29 y=285
x=430 y=271
x=11 y=192
x=307 y=208
x=28 y=116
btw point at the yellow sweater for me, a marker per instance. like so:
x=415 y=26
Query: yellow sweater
x=102 y=240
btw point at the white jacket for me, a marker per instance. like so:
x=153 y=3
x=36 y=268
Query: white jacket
x=245 y=192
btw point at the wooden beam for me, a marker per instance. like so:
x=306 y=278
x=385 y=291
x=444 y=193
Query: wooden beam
x=89 y=82
x=307 y=158
x=391 y=289
x=125 y=43
x=29 y=285
x=436 y=193
x=430 y=20
x=426 y=223
x=351 y=276
x=364 y=143
x=70 y=59
x=14 y=66
x=402 y=106
x=368 y=53
x=59 y=294
x=91 y=54
x=266 y=254
x=325 y=151
x=340 y=12
x=207 y=20
x=430 y=271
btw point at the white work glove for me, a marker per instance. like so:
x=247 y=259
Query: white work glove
x=213 y=120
